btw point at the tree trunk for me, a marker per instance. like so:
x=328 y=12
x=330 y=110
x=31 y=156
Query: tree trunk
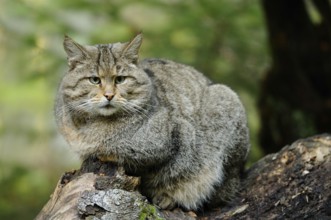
x=294 y=183
x=295 y=97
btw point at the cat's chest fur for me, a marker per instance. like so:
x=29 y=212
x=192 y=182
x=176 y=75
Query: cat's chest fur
x=98 y=134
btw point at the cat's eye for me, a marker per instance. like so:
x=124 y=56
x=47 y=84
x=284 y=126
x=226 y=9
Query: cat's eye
x=95 y=80
x=119 y=79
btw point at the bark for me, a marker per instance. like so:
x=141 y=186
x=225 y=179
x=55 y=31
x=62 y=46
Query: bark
x=294 y=183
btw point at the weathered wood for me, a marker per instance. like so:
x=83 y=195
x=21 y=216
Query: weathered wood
x=99 y=190
x=294 y=183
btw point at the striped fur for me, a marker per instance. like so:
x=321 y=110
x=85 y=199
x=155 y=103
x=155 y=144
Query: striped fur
x=185 y=136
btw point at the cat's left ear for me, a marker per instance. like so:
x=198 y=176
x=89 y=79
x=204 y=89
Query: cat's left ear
x=131 y=50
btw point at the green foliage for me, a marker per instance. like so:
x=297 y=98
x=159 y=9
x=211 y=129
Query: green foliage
x=224 y=39
x=22 y=193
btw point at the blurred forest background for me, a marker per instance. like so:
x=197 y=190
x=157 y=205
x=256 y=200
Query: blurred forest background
x=225 y=39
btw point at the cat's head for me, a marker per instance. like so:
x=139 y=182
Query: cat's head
x=105 y=79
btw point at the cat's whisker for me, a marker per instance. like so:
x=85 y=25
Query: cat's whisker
x=126 y=110
x=149 y=105
x=132 y=110
x=131 y=104
x=137 y=109
x=77 y=108
x=69 y=109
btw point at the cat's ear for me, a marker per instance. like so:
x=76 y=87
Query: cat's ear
x=76 y=52
x=131 y=49
x=74 y=49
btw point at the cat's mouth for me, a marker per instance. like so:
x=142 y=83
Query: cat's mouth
x=107 y=106
x=107 y=109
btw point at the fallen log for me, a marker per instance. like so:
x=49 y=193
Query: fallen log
x=294 y=183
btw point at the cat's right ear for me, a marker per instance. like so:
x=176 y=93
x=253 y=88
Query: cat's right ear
x=74 y=50
x=131 y=49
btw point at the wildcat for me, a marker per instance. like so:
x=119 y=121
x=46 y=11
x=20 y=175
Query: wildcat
x=186 y=137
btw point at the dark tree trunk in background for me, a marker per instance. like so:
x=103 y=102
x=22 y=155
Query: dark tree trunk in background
x=296 y=93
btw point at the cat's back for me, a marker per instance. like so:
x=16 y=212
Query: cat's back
x=170 y=71
x=176 y=84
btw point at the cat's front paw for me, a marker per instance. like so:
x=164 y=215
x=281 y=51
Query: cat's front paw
x=164 y=201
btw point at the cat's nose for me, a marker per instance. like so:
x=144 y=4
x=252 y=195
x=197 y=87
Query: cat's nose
x=109 y=96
